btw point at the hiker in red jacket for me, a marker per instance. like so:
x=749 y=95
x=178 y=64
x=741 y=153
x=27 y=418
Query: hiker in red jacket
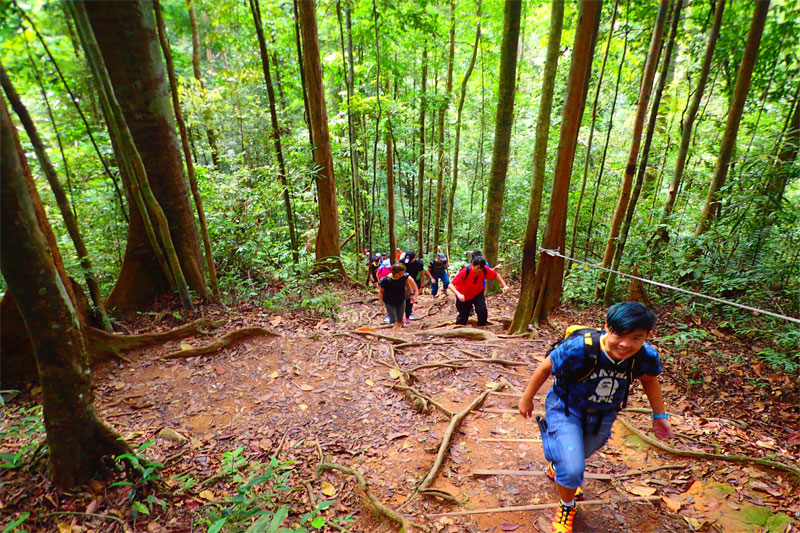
x=468 y=288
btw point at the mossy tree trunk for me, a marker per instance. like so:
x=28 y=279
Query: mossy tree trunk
x=548 y=281
x=140 y=86
x=504 y=120
x=31 y=265
x=443 y=163
x=524 y=312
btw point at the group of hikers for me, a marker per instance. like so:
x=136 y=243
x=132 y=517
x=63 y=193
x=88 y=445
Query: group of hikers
x=400 y=284
x=593 y=368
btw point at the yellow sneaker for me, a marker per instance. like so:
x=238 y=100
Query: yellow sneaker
x=550 y=471
x=562 y=523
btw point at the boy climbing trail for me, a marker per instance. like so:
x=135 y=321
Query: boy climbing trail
x=393 y=291
x=593 y=371
x=437 y=270
x=468 y=288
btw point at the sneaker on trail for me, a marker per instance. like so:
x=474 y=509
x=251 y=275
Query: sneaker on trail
x=550 y=471
x=411 y=316
x=407 y=321
x=562 y=522
x=387 y=320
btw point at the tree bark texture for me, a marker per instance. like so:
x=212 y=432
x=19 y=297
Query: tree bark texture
x=276 y=132
x=327 y=242
x=743 y=78
x=77 y=439
x=640 y=175
x=67 y=213
x=638 y=125
x=549 y=272
x=688 y=121
x=142 y=92
x=187 y=153
x=524 y=312
x=504 y=120
x=443 y=163
x=454 y=181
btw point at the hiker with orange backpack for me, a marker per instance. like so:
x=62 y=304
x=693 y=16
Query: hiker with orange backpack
x=593 y=370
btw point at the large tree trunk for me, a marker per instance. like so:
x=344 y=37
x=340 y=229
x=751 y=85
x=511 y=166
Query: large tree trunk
x=443 y=164
x=638 y=125
x=502 y=135
x=390 y=184
x=67 y=213
x=740 y=91
x=421 y=173
x=211 y=134
x=651 y=126
x=548 y=283
x=588 y=159
x=688 y=121
x=276 y=132
x=524 y=311
x=29 y=261
x=454 y=181
x=327 y=242
x=141 y=89
x=187 y=153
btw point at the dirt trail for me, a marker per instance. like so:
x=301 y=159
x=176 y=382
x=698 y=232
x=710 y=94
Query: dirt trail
x=319 y=388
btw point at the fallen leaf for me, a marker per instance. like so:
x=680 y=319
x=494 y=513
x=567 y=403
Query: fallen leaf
x=393 y=436
x=274 y=374
x=671 y=503
x=369 y=382
x=327 y=489
x=509 y=527
x=186 y=346
x=641 y=490
x=394 y=373
x=365 y=328
x=306 y=388
x=276 y=320
x=303 y=407
x=64 y=528
x=219 y=371
x=207 y=495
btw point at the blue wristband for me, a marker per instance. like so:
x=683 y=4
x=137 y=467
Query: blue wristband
x=660 y=416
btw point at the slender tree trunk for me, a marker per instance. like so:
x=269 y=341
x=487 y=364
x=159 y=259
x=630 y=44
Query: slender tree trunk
x=149 y=119
x=651 y=126
x=277 y=64
x=549 y=272
x=751 y=48
x=390 y=184
x=347 y=65
x=599 y=179
x=638 y=125
x=31 y=266
x=502 y=135
x=588 y=158
x=176 y=105
x=276 y=131
x=443 y=164
x=688 y=122
x=212 y=136
x=67 y=213
x=524 y=312
x=462 y=97
x=327 y=241
x=421 y=173
x=377 y=125
x=303 y=85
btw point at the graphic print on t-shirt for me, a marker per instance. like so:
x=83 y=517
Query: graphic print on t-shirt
x=606 y=383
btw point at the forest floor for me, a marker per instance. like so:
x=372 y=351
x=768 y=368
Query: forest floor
x=324 y=391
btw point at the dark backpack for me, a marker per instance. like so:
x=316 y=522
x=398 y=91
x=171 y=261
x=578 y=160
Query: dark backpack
x=591 y=355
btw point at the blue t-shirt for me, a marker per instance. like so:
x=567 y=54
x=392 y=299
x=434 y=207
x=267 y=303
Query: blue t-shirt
x=605 y=388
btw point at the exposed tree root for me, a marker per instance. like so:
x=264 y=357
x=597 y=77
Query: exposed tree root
x=370 y=332
x=234 y=337
x=405 y=524
x=464 y=333
x=102 y=344
x=455 y=422
x=538 y=506
x=793 y=470
x=587 y=475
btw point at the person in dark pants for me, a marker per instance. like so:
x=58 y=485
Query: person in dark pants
x=437 y=270
x=468 y=288
x=414 y=268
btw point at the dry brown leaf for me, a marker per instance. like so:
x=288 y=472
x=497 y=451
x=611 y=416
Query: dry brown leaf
x=672 y=504
x=641 y=490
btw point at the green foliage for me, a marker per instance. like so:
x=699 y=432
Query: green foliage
x=259 y=502
x=144 y=476
x=28 y=428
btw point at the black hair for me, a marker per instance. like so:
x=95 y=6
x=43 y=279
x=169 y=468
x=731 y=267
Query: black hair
x=626 y=317
x=476 y=254
x=479 y=262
